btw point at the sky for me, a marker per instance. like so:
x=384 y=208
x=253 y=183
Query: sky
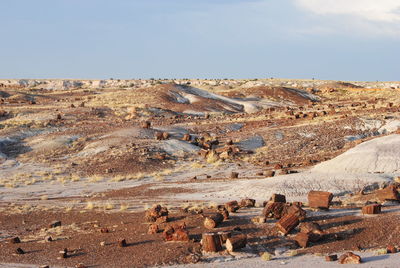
x=353 y=40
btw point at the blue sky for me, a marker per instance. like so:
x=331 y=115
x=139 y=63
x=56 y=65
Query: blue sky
x=324 y=39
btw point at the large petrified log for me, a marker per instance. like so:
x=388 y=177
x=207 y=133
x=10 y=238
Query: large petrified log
x=211 y=242
x=372 y=209
x=236 y=242
x=287 y=223
x=319 y=199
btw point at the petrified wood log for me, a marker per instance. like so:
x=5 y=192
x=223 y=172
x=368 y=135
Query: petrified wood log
x=236 y=242
x=224 y=236
x=211 y=242
x=319 y=199
x=247 y=203
x=232 y=206
x=349 y=258
x=213 y=220
x=278 y=198
x=302 y=239
x=287 y=223
x=372 y=209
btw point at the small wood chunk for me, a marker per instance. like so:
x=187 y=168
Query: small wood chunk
x=19 y=251
x=269 y=173
x=64 y=253
x=372 y=209
x=349 y=258
x=104 y=230
x=232 y=206
x=224 y=236
x=391 y=249
x=234 y=175
x=212 y=221
x=211 y=242
x=236 y=242
x=48 y=239
x=331 y=258
x=165 y=135
x=302 y=239
x=319 y=199
x=145 y=124
x=225 y=214
x=186 y=137
x=259 y=220
x=247 y=203
x=180 y=235
x=15 y=240
x=162 y=219
x=55 y=224
x=122 y=243
x=287 y=223
x=155 y=212
x=278 y=198
x=80 y=265
x=153 y=229
x=311 y=227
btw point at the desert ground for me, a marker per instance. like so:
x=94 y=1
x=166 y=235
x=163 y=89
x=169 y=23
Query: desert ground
x=129 y=173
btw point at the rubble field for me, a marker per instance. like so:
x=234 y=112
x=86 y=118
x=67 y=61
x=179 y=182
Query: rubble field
x=198 y=172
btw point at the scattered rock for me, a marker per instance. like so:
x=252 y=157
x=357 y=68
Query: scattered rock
x=349 y=258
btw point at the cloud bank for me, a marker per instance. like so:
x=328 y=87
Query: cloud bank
x=373 y=16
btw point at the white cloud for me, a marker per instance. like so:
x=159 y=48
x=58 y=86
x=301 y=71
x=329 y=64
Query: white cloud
x=377 y=17
x=372 y=10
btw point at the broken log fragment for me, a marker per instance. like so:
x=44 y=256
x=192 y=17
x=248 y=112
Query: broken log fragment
x=287 y=223
x=349 y=258
x=64 y=253
x=15 y=240
x=259 y=219
x=224 y=236
x=232 y=206
x=162 y=219
x=247 y=203
x=388 y=193
x=302 y=239
x=236 y=242
x=372 y=209
x=296 y=210
x=274 y=210
x=153 y=229
x=212 y=221
x=180 y=235
x=20 y=251
x=155 y=212
x=55 y=224
x=145 y=124
x=311 y=227
x=391 y=249
x=234 y=175
x=319 y=199
x=278 y=198
x=331 y=258
x=186 y=137
x=211 y=242
x=122 y=243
